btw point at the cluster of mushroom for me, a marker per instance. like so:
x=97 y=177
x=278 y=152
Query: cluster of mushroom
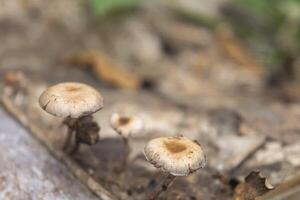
x=76 y=102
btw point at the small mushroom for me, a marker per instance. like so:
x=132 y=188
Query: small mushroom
x=178 y=156
x=75 y=102
x=125 y=126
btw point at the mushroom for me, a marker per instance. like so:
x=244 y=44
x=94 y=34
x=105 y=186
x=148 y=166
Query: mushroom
x=125 y=126
x=75 y=102
x=178 y=156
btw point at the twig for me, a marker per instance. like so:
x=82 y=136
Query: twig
x=233 y=171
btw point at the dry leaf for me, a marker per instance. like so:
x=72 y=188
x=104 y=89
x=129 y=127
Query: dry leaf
x=287 y=190
x=105 y=69
x=254 y=186
x=15 y=79
x=236 y=51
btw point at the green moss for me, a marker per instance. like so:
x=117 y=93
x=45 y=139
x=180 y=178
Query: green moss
x=107 y=7
x=273 y=24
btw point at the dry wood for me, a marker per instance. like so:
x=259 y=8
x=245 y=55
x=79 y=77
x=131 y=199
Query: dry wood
x=286 y=191
x=75 y=169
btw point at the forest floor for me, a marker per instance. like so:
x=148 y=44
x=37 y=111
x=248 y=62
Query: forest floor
x=179 y=77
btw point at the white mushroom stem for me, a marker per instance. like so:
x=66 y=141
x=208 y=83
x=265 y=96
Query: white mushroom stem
x=162 y=187
x=71 y=124
x=75 y=148
x=124 y=163
x=68 y=139
x=127 y=153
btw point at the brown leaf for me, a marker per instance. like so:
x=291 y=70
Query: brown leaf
x=106 y=70
x=234 y=49
x=290 y=189
x=15 y=78
x=254 y=186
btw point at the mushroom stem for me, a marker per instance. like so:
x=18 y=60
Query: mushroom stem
x=127 y=152
x=162 y=187
x=68 y=139
x=75 y=148
x=71 y=124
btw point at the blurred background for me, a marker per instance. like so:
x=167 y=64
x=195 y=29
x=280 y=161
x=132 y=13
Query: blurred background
x=261 y=37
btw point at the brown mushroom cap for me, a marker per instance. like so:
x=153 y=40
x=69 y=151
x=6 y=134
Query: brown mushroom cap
x=179 y=156
x=71 y=100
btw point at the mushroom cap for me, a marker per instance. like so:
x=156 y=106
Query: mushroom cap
x=126 y=125
x=179 y=156
x=71 y=99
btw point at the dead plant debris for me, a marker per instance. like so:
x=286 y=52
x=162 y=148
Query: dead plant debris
x=254 y=186
x=105 y=69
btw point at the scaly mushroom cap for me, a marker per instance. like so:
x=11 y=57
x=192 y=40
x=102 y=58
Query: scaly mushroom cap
x=71 y=100
x=177 y=155
x=126 y=125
